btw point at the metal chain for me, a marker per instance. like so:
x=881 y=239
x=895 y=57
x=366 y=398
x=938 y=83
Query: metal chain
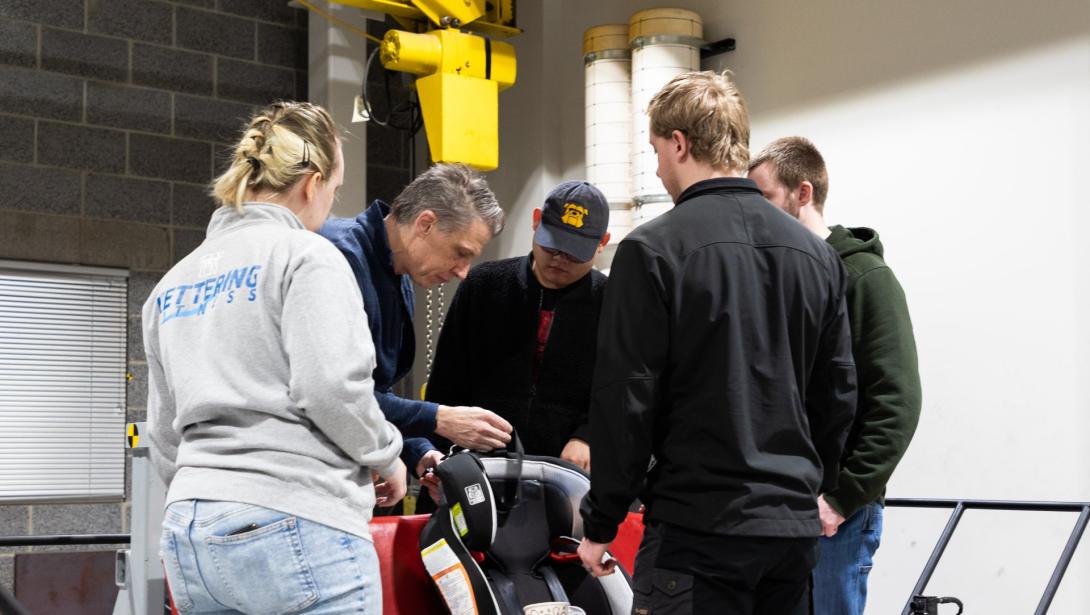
x=434 y=316
x=429 y=328
x=441 y=307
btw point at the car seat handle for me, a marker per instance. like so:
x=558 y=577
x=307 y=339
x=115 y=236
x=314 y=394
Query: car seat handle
x=509 y=499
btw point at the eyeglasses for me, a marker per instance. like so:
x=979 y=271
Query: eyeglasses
x=561 y=254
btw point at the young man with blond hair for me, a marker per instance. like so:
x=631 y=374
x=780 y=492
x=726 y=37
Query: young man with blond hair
x=791 y=173
x=724 y=354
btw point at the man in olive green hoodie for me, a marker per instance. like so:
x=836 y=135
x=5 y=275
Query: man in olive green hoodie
x=791 y=174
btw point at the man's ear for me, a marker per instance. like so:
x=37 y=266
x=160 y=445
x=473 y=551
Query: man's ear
x=680 y=143
x=425 y=223
x=806 y=193
x=602 y=244
x=537 y=219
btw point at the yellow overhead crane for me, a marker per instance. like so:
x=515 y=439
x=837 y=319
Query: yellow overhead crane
x=460 y=71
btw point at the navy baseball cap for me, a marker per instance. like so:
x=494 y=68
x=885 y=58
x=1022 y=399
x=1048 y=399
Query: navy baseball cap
x=574 y=220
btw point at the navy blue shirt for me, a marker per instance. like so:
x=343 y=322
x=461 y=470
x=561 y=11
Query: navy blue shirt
x=388 y=300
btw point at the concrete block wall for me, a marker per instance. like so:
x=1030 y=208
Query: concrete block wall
x=114 y=116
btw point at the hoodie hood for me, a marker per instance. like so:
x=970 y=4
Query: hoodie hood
x=227 y=218
x=848 y=241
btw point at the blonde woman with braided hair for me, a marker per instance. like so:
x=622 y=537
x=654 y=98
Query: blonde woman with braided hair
x=261 y=413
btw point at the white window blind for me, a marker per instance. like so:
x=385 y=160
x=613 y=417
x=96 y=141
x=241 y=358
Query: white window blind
x=62 y=382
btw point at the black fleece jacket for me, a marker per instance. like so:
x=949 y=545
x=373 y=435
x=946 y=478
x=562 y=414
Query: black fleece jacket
x=724 y=351
x=485 y=355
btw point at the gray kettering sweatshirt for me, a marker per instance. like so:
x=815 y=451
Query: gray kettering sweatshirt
x=259 y=374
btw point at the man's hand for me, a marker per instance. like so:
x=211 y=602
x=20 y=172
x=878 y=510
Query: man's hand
x=429 y=480
x=390 y=489
x=429 y=460
x=472 y=427
x=592 y=554
x=577 y=452
x=830 y=519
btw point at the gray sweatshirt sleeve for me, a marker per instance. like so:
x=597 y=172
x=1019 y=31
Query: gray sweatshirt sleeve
x=331 y=355
x=161 y=411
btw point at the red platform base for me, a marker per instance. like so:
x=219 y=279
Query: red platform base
x=407 y=589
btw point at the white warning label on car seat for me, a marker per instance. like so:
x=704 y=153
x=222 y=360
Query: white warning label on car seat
x=475 y=494
x=450 y=577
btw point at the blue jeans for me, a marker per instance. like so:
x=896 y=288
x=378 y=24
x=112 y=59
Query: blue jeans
x=845 y=560
x=226 y=557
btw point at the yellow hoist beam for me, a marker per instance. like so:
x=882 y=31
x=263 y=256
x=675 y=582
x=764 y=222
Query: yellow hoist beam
x=459 y=73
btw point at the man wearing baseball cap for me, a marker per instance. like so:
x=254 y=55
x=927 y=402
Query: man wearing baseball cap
x=520 y=335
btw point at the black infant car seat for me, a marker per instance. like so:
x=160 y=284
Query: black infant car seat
x=505 y=533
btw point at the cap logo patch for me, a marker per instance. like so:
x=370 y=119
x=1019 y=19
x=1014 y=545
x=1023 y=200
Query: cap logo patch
x=573 y=215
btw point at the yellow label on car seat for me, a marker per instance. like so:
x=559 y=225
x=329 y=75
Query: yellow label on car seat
x=459 y=519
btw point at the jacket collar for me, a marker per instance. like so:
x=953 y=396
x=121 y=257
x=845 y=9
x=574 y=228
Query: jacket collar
x=524 y=272
x=373 y=222
x=717 y=185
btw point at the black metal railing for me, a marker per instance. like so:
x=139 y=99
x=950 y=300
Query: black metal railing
x=64 y=540
x=960 y=506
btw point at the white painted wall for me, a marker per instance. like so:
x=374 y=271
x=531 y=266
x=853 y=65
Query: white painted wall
x=938 y=125
x=959 y=131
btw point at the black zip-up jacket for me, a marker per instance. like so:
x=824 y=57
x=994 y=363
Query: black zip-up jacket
x=485 y=355
x=724 y=351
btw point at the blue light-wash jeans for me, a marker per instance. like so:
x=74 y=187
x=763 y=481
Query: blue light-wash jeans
x=844 y=562
x=226 y=557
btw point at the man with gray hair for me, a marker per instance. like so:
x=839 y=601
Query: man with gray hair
x=791 y=173
x=429 y=235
